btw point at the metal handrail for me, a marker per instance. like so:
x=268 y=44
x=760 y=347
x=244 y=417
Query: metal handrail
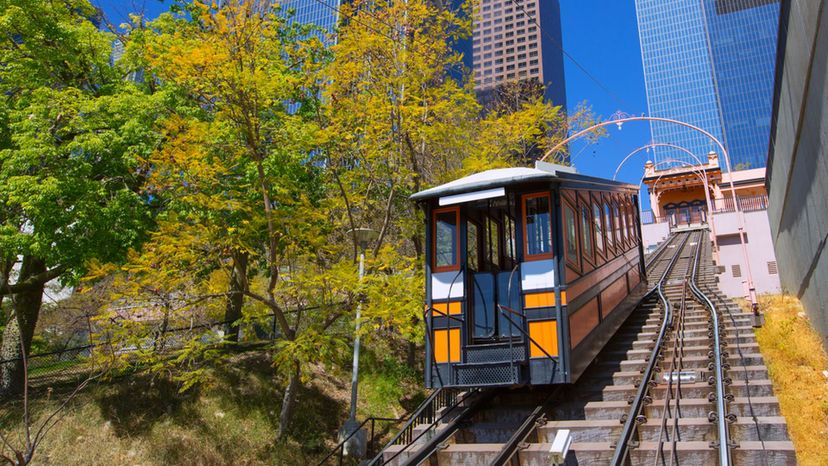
x=501 y=308
x=410 y=423
x=622 y=447
x=341 y=446
x=412 y=441
x=721 y=409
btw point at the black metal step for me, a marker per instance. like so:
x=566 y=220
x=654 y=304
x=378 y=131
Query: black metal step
x=490 y=374
x=495 y=352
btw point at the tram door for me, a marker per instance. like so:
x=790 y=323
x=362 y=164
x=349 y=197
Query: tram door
x=494 y=280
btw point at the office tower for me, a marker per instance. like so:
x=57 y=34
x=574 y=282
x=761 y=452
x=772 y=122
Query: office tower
x=710 y=63
x=518 y=41
x=321 y=13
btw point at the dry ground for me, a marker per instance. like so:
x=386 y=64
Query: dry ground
x=142 y=420
x=798 y=367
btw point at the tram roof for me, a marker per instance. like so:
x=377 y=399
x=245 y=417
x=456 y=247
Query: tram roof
x=503 y=177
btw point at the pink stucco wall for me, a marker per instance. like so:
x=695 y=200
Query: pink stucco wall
x=760 y=251
x=759 y=247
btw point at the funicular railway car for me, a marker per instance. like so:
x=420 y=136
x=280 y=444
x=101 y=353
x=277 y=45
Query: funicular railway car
x=530 y=271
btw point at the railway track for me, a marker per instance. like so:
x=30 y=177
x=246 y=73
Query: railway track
x=682 y=374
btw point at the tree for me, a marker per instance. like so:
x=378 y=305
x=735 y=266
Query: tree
x=72 y=131
x=243 y=65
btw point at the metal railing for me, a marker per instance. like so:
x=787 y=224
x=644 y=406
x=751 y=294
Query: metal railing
x=338 y=452
x=64 y=363
x=746 y=204
x=429 y=413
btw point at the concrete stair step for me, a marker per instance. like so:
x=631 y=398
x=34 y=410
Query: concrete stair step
x=757 y=388
x=689 y=407
x=594 y=453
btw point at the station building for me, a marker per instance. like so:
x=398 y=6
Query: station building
x=678 y=201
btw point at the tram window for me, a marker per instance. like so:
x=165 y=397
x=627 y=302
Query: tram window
x=631 y=223
x=493 y=247
x=599 y=231
x=472 y=246
x=586 y=236
x=509 y=231
x=571 y=234
x=446 y=239
x=619 y=231
x=608 y=226
x=537 y=226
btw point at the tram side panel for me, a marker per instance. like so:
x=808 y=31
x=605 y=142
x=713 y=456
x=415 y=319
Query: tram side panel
x=602 y=261
x=573 y=299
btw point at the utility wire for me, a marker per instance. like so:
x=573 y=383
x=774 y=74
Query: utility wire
x=614 y=96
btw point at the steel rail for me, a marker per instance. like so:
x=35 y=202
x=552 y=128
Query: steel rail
x=682 y=328
x=529 y=425
x=655 y=255
x=721 y=409
x=743 y=371
x=619 y=457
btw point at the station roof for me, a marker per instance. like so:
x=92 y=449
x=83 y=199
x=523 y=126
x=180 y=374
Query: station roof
x=503 y=177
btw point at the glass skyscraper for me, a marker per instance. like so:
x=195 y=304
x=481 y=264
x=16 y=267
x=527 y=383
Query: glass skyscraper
x=315 y=12
x=710 y=63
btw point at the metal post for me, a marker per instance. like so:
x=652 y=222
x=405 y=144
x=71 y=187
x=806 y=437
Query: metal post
x=357 y=443
x=355 y=372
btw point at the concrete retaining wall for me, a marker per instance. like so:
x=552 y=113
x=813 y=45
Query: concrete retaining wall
x=797 y=176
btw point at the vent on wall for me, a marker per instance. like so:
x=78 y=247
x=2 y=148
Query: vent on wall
x=720 y=269
x=737 y=270
x=772 y=268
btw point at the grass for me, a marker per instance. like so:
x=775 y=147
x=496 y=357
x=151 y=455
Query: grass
x=143 y=420
x=798 y=367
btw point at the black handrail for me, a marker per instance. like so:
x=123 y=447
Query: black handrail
x=503 y=308
x=429 y=414
x=341 y=446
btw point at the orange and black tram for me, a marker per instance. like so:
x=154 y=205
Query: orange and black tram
x=529 y=272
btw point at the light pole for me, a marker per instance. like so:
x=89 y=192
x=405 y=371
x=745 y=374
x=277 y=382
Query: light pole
x=619 y=118
x=705 y=180
x=357 y=442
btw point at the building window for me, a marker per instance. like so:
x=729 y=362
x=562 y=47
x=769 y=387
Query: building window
x=446 y=237
x=537 y=215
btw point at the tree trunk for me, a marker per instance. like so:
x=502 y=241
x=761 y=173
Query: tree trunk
x=26 y=308
x=410 y=356
x=288 y=402
x=235 y=299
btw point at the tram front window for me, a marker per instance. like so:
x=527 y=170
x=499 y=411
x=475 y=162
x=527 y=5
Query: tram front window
x=445 y=240
x=538 y=228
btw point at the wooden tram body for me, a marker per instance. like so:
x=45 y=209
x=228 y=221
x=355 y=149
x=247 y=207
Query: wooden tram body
x=530 y=271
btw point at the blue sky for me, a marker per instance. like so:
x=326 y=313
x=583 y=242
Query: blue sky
x=602 y=36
